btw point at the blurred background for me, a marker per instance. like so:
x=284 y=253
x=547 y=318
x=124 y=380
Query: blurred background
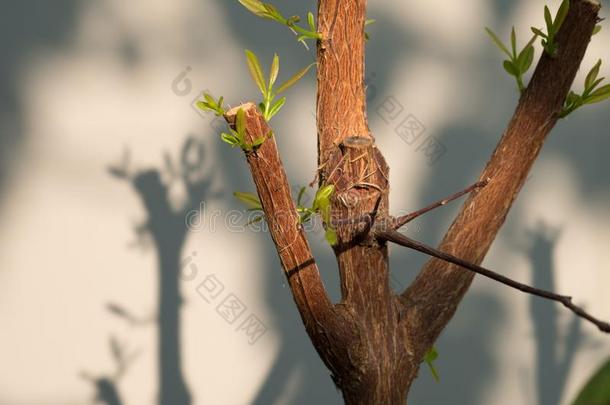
x=127 y=276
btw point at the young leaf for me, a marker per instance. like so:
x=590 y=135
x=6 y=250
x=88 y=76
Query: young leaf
x=549 y=21
x=598 y=95
x=249 y=200
x=230 y=139
x=597 y=29
x=331 y=236
x=255 y=70
x=592 y=76
x=561 y=15
x=311 y=21
x=511 y=68
x=429 y=358
x=369 y=22
x=255 y=6
x=324 y=193
x=275 y=108
x=513 y=43
x=240 y=122
x=497 y=41
x=300 y=196
x=525 y=59
x=290 y=82
x=275 y=69
x=539 y=32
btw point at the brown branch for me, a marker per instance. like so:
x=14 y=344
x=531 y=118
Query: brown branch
x=403 y=220
x=440 y=286
x=405 y=241
x=281 y=215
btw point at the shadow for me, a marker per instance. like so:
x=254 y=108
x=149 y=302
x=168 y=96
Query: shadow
x=166 y=227
x=106 y=386
x=555 y=350
x=26 y=27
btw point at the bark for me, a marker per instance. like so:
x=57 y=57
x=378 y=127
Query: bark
x=373 y=340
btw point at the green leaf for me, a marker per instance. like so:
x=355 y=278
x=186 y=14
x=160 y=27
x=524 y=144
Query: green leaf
x=262 y=139
x=513 y=43
x=230 y=139
x=311 y=21
x=331 y=236
x=324 y=193
x=240 y=122
x=255 y=70
x=249 y=200
x=539 y=32
x=275 y=108
x=301 y=193
x=592 y=76
x=598 y=95
x=597 y=29
x=369 y=22
x=255 y=6
x=429 y=358
x=497 y=41
x=275 y=69
x=597 y=389
x=290 y=82
x=549 y=21
x=525 y=59
x=511 y=68
x=562 y=13
x=274 y=13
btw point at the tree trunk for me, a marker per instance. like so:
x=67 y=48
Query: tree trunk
x=373 y=340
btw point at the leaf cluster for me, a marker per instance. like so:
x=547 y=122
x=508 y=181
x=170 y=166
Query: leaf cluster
x=321 y=205
x=237 y=136
x=552 y=27
x=269 y=11
x=518 y=63
x=269 y=106
x=592 y=93
x=210 y=104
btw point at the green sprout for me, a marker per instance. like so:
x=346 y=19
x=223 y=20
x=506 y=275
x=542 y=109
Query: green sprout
x=270 y=12
x=552 y=27
x=269 y=107
x=366 y=23
x=237 y=136
x=518 y=63
x=210 y=104
x=429 y=358
x=321 y=205
x=592 y=93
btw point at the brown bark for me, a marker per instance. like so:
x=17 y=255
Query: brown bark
x=373 y=340
x=440 y=286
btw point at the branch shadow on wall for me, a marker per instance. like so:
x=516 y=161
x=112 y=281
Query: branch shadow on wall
x=165 y=228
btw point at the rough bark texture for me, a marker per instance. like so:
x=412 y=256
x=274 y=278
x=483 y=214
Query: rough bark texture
x=439 y=288
x=373 y=340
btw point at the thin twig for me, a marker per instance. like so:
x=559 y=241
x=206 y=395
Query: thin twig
x=400 y=221
x=403 y=240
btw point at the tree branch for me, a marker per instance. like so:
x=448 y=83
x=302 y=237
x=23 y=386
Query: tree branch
x=403 y=220
x=440 y=286
x=403 y=240
x=281 y=215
